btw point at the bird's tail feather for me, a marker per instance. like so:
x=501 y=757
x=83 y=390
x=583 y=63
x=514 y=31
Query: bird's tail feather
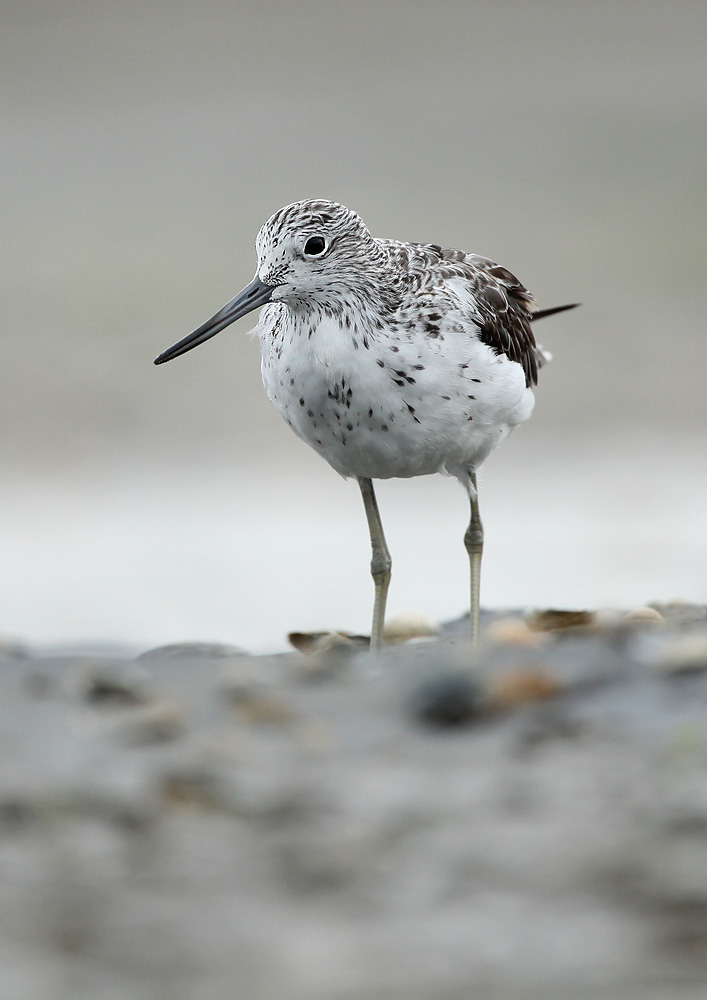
x=542 y=313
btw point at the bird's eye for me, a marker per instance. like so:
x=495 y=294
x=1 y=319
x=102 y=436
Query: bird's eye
x=315 y=246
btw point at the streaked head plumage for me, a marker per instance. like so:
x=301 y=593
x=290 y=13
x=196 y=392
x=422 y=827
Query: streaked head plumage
x=309 y=247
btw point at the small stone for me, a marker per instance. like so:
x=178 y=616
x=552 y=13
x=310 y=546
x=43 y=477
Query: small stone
x=314 y=642
x=448 y=700
x=512 y=632
x=335 y=642
x=644 y=614
x=305 y=642
x=686 y=654
x=194 y=788
x=521 y=686
x=192 y=651
x=112 y=685
x=555 y=619
x=328 y=656
x=403 y=628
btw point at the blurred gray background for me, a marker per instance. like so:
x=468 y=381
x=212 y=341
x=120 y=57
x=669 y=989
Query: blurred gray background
x=143 y=144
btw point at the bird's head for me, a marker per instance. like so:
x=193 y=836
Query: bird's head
x=309 y=251
x=310 y=254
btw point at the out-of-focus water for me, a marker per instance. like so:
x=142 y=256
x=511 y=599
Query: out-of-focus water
x=144 y=144
x=160 y=558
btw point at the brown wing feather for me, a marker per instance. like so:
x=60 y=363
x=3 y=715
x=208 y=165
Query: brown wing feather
x=505 y=308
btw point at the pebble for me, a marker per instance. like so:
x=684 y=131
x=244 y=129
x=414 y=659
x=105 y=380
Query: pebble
x=513 y=632
x=644 y=614
x=685 y=654
x=403 y=628
x=520 y=686
x=327 y=656
x=449 y=700
x=555 y=619
x=192 y=650
x=110 y=684
x=314 y=642
x=192 y=787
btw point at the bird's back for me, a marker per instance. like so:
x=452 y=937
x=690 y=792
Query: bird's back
x=499 y=308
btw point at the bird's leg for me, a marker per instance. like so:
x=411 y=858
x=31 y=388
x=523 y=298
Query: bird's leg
x=474 y=542
x=380 y=561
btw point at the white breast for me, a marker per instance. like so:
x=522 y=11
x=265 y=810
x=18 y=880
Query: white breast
x=405 y=406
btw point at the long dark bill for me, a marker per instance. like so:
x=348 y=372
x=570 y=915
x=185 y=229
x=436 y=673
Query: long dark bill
x=253 y=296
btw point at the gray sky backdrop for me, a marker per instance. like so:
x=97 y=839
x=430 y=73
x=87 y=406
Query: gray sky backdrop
x=143 y=146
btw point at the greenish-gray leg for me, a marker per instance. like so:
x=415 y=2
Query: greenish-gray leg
x=380 y=561
x=474 y=542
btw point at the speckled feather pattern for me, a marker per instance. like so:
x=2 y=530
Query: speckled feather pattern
x=391 y=359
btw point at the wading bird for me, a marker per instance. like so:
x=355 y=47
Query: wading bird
x=389 y=359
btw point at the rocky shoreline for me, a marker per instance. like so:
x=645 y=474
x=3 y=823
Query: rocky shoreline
x=427 y=824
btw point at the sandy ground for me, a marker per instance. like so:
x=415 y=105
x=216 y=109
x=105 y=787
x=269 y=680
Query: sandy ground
x=197 y=822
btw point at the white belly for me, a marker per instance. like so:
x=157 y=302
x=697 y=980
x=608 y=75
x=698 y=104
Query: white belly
x=429 y=407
